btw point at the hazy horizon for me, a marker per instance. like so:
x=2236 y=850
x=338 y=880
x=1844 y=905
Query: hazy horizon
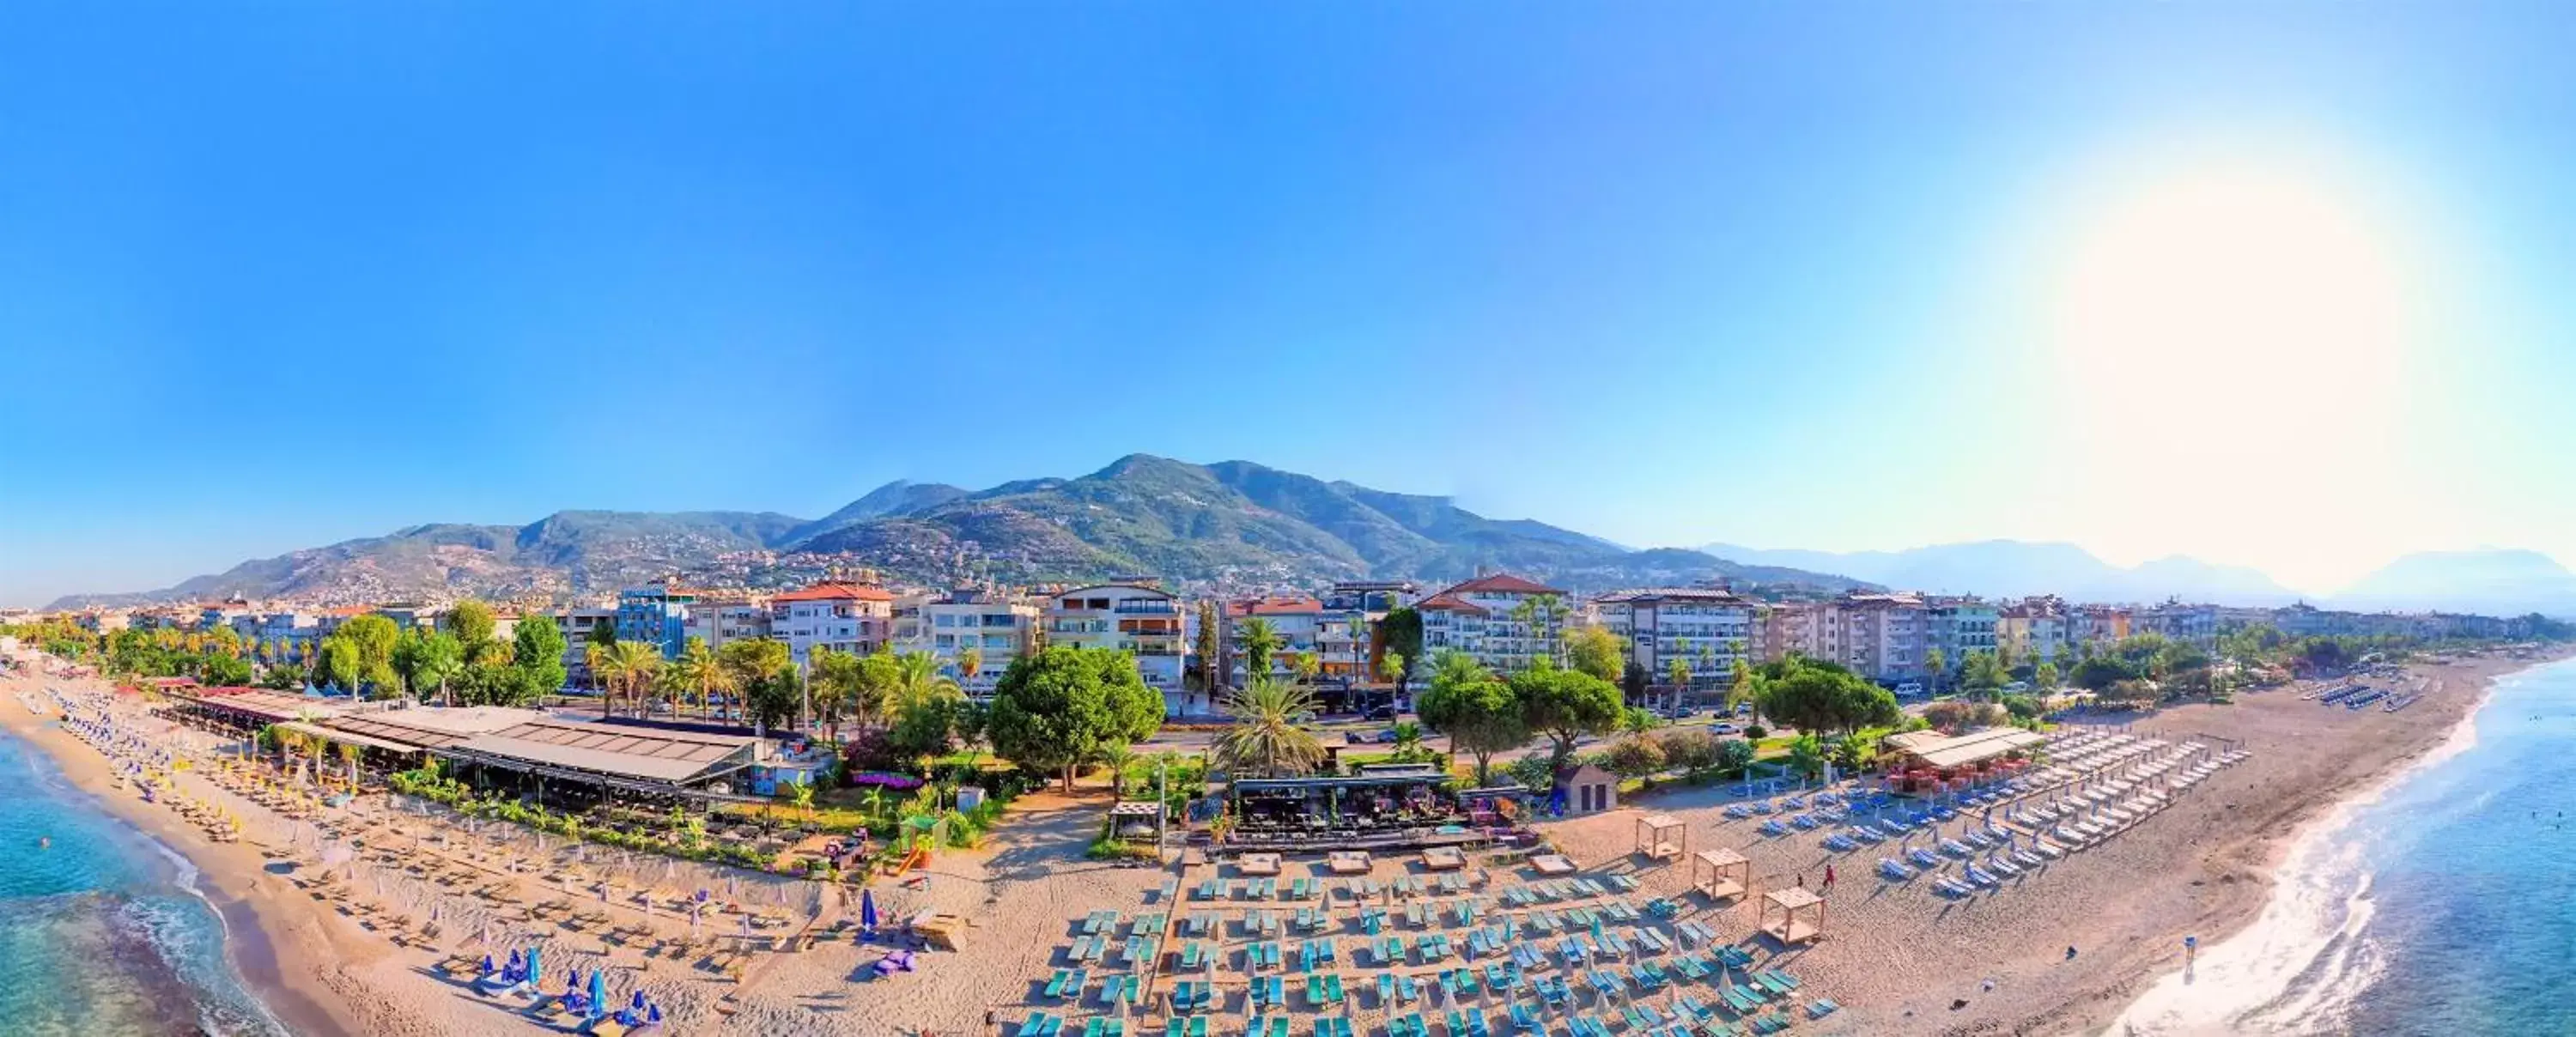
x=2274 y=286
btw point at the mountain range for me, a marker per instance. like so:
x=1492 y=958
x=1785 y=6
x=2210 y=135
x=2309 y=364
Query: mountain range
x=2493 y=582
x=1233 y=524
x=2014 y=569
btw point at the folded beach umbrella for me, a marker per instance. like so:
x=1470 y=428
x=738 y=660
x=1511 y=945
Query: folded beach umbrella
x=636 y=1002
x=868 y=910
x=598 y=993
x=536 y=970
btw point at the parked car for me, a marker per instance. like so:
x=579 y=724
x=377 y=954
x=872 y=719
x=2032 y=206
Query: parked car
x=1386 y=712
x=1385 y=737
x=1721 y=729
x=1679 y=713
x=1357 y=738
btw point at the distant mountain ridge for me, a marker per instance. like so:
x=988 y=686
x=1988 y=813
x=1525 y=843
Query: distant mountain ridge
x=2492 y=582
x=1233 y=522
x=2014 y=569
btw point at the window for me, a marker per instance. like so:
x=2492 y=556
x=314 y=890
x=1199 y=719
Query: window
x=944 y=620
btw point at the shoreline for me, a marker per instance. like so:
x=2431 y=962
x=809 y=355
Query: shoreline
x=2308 y=840
x=260 y=946
x=2369 y=785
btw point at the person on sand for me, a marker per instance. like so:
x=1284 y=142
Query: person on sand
x=2070 y=952
x=1829 y=876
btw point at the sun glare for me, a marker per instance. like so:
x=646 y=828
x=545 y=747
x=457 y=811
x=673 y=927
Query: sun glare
x=2201 y=321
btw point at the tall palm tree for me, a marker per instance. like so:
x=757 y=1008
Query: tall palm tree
x=701 y=675
x=1266 y=741
x=917 y=680
x=970 y=661
x=1118 y=758
x=1259 y=639
x=630 y=667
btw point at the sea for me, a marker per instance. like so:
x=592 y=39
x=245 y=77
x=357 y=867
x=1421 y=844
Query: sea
x=2442 y=904
x=102 y=928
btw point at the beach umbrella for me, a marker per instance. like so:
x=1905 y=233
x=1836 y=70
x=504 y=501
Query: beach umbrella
x=652 y=1013
x=536 y=969
x=868 y=911
x=598 y=993
x=636 y=1002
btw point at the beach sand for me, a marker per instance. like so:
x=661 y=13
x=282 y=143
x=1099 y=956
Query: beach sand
x=1896 y=956
x=1902 y=960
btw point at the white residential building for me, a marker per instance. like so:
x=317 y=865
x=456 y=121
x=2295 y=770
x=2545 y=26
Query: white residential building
x=1299 y=623
x=1501 y=620
x=844 y=617
x=1707 y=630
x=717 y=621
x=996 y=628
x=1142 y=620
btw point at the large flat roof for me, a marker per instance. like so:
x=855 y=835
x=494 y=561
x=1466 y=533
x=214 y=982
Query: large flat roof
x=268 y=704
x=647 y=753
x=1975 y=746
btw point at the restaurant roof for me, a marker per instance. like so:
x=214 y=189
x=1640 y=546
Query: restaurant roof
x=346 y=737
x=1975 y=746
x=665 y=756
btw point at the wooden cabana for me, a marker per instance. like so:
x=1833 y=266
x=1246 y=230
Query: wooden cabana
x=1721 y=873
x=1662 y=837
x=1791 y=927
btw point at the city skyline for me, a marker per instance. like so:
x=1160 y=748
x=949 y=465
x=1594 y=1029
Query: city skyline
x=2267 y=287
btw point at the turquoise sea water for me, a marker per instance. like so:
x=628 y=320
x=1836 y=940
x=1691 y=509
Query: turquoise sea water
x=102 y=933
x=2444 y=906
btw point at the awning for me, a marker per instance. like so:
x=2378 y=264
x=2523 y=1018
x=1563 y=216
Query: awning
x=347 y=737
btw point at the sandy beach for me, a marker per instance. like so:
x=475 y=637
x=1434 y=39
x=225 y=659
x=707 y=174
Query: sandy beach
x=1907 y=962
x=1899 y=959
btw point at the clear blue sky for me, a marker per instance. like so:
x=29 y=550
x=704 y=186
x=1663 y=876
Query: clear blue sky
x=1814 y=274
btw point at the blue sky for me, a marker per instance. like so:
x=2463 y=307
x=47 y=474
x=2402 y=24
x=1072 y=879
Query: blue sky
x=1828 y=275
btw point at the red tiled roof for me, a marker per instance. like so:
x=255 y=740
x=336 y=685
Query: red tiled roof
x=837 y=592
x=1501 y=583
x=1447 y=602
x=1273 y=607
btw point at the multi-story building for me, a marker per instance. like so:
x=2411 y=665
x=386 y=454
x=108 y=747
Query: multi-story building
x=656 y=614
x=975 y=634
x=2033 y=631
x=717 y=620
x=844 y=617
x=1883 y=636
x=1501 y=620
x=1348 y=640
x=1707 y=631
x=1960 y=626
x=1143 y=620
x=2190 y=624
x=288 y=635
x=1297 y=622
x=2096 y=625
x=1802 y=628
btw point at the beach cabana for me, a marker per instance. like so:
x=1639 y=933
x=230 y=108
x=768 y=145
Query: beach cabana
x=1662 y=837
x=1721 y=873
x=1802 y=915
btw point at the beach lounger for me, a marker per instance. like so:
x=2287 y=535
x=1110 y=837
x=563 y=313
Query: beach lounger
x=1734 y=957
x=1036 y=1025
x=1085 y=949
x=1691 y=1006
x=1194 y=955
x=1066 y=983
x=1524 y=1019
x=1407 y=989
x=1691 y=967
x=1821 y=1007
x=1103 y=1026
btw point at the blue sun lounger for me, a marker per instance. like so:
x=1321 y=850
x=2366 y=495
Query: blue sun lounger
x=1104 y=1026
x=1497 y=980
x=1652 y=941
x=1476 y=1023
x=1691 y=966
x=1526 y=956
x=1066 y=983
x=1407 y=989
x=1464 y=911
x=1085 y=949
x=1139 y=950
x=1524 y=1019
x=1333 y=1026
x=1324 y=990
x=1040 y=1024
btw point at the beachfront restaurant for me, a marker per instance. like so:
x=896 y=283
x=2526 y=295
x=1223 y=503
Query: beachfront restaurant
x=1927 y=761
x=581 y=764
x=1382 y=806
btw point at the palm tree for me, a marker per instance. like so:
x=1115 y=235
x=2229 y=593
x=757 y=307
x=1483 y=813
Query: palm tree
x=1408 y=740
x=1266 y=741
x=348 y=753
x=917 y=680
x=1118 y=758
x=629 y=667
x=702 y=675
x=970 y=661
x=1259 y=640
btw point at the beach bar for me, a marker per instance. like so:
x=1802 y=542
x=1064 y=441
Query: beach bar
x=1381 y=807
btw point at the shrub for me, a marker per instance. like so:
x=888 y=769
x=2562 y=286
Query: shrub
x=1634 y=757
x=1756 y=732
x=1691 y=749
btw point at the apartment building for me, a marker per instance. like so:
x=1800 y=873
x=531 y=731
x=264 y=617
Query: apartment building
x=2190 y=624
x=1796 y=628
x=1130 y=617
x=718 y=620
x=656 y=614
x=1705 y=630
x=844 y=617
x=1960 y=626
x=1298 y=623
x=1501 y=620
x=1883 y=636
x=2096 y=625
x=2033 y=630
x=1348 y=640
x=986 y=629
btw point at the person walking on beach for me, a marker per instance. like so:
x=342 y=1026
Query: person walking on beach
x=1829 y=877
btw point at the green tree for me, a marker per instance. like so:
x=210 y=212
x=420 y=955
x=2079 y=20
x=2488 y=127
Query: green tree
x=1677 y=672
x=437 y=662
x=536 y=659
x=336 y=664
x=1474 y=709
x=1211 y=647
x=1936 y=665
x=1265 y=739
x=471 y=622
x=700 y=674
x=1597 y=651
x=1811 y=695
x=1401 y=633
x=1807 y=755
x=1734 y=755
x=1565 y=706
x=2045 y=675
x=1634 y=757
x=1693 y=750
x=763 y=671
x=629 y=667
x=1982 y=674
x=1061 y=707
x=371 y=638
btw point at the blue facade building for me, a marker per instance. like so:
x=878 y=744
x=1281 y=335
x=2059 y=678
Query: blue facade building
x=656 y=614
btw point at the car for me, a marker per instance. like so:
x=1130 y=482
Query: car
x=1743 y=709
x=1387 y=712
x=1385 y=737
x=1356 y=738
